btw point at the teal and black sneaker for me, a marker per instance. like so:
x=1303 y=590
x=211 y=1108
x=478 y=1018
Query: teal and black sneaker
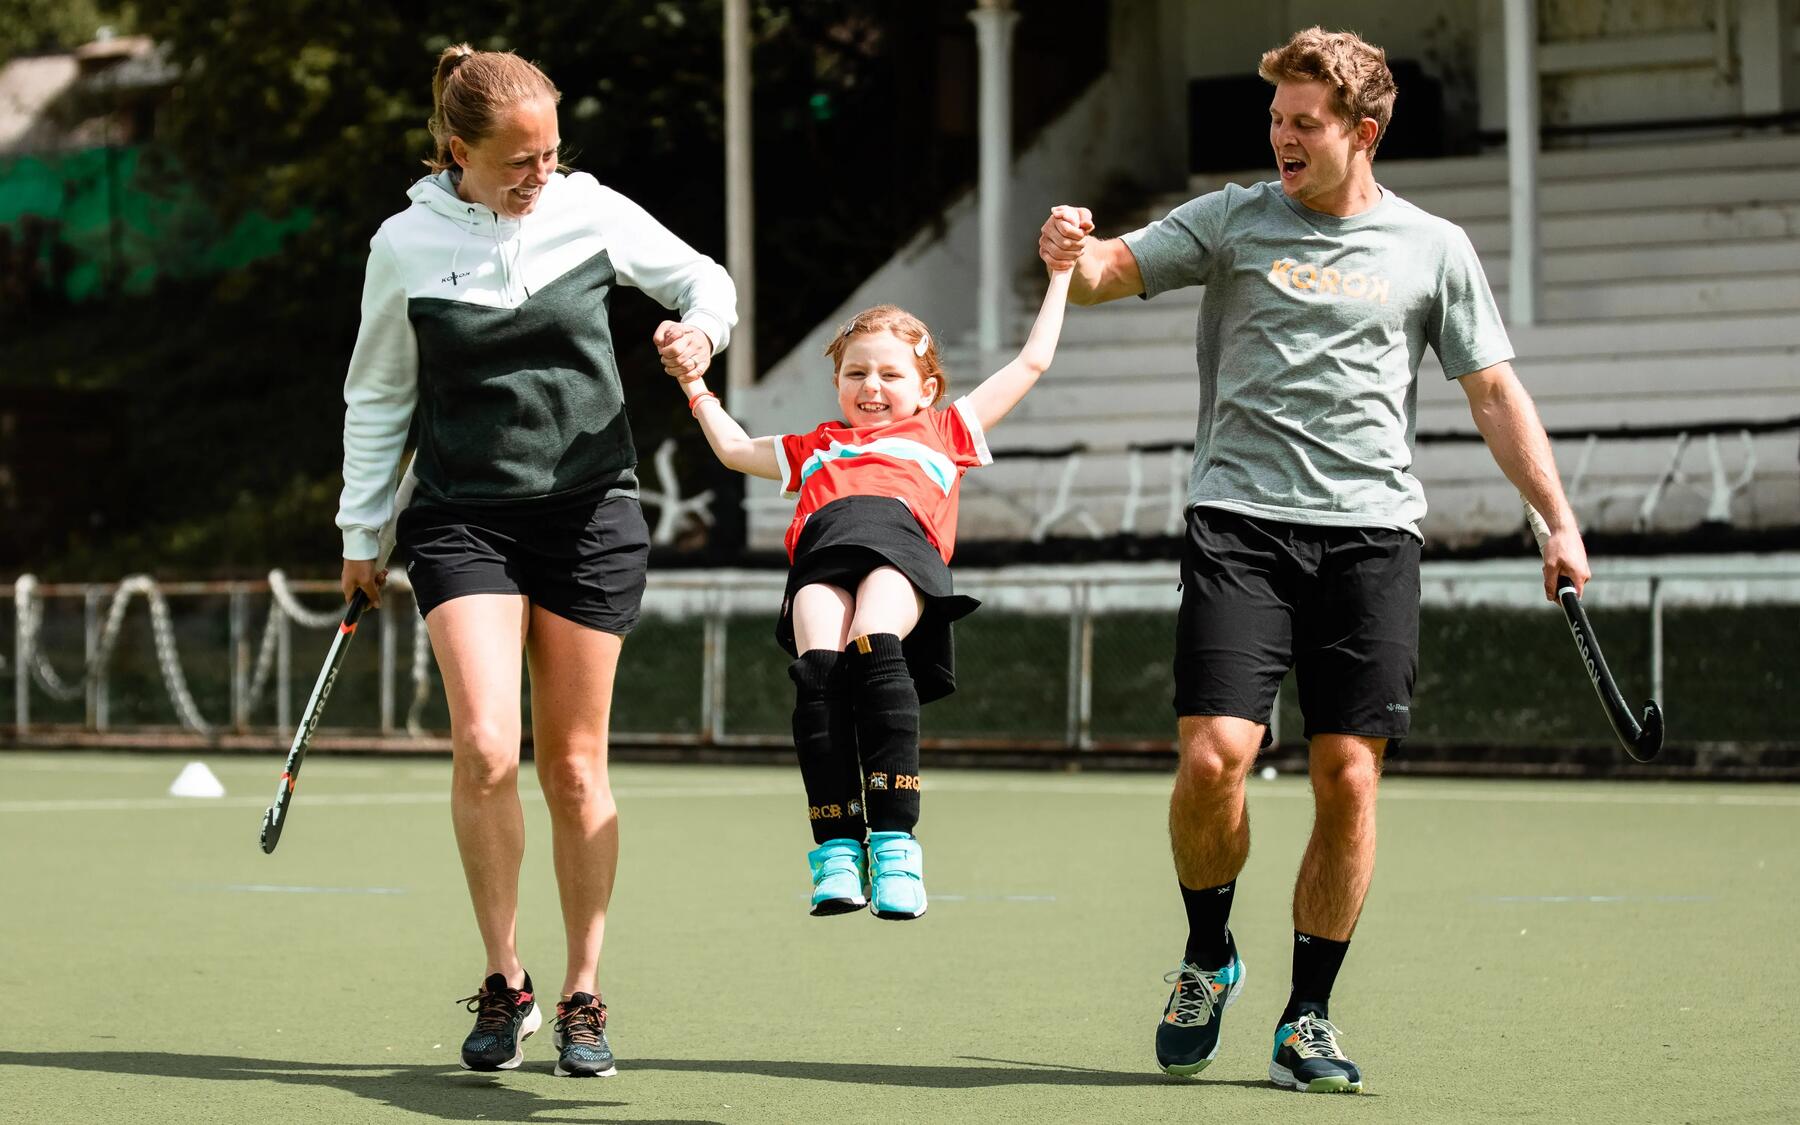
x=896 y=876
x=1309 y=1058
x=580 y=1036
x=504 y=1018
x=1187 y=1039
x=840 y=876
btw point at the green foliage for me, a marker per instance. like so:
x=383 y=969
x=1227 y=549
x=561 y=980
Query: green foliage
x=319 y=107
x=29 y=27
x=323 y=103
x=119 y=221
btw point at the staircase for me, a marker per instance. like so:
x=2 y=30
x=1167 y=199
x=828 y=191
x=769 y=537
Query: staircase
x=1670 y=305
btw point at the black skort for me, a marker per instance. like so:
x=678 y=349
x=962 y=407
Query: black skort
x=845 y=540
x=584 y=561
x=1340 y=605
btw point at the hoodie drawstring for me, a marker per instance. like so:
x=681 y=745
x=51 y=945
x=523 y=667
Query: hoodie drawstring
x=439 y=193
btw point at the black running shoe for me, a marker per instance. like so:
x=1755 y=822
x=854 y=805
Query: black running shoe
x=504 y=1018
x=580 y=1037
x=1187 y=1039
x=1308 y=1058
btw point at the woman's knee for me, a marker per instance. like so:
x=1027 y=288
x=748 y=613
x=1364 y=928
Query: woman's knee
x=575 y=779
x=485 y=755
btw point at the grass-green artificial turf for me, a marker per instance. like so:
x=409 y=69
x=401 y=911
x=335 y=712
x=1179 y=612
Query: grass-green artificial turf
x=1539 y=951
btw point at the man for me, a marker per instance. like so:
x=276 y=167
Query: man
x=1302 y=542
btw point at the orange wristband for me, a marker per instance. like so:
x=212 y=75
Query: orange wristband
x=694 y=403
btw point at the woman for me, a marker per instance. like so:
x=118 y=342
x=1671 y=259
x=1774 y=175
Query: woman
x=484 y=313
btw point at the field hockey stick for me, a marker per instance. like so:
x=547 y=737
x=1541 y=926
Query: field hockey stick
x=275 y=817
x=1642 y=738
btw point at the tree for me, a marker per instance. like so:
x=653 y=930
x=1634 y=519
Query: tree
x=322 y=104
x=29 y=27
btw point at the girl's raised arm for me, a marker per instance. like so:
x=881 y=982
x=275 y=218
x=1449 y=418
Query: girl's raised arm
x=735 y=449
x=1001 y=391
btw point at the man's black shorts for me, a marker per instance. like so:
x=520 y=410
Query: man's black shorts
x=1340 y=605
x=585 y=561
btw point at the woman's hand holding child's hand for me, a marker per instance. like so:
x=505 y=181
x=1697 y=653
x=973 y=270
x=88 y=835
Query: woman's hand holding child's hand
x=686 y=351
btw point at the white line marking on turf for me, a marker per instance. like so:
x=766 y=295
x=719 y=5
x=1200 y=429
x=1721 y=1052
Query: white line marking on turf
x=1589 y=797
x=147 y=804
x=1394 y=791
x=150 y=804
x=88 y=766
x=1608 y=899
x=276 y=888
x=1402 y=790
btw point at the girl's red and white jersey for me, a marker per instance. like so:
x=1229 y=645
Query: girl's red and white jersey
x=919 y=461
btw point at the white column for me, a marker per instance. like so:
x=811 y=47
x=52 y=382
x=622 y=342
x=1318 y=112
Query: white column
x=1767 y=41
x=1521 y=158
x=740 y=229
x=994 y=21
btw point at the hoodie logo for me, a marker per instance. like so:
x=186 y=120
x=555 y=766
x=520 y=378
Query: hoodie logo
x=453 y=276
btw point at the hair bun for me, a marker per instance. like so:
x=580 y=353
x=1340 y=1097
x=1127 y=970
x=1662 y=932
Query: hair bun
x=450 y=59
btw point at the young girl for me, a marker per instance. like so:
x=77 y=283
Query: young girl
x=869 y=602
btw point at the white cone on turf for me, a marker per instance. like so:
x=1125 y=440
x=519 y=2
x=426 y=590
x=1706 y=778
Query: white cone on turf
x=195 y=780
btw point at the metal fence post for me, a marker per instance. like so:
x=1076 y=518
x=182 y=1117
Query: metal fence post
x=240 y=658
x=386 y=625
x=1078 y=729
x=712 y=671
x=90 y=647
x=284 y=666
x=21 y=657
x=1085 y=712
x=1656 y=637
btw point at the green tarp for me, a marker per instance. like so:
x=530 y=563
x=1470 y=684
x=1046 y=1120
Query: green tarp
x=78 y=221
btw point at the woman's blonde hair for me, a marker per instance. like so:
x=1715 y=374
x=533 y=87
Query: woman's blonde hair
x=905 y=326
x=470 y=89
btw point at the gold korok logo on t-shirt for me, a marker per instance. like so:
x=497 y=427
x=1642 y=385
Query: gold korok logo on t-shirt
x=1327 y=281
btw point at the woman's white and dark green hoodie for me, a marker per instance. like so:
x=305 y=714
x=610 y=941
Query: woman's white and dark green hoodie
x=495 y=331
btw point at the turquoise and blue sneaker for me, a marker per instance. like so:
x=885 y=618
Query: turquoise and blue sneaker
x=840 y=876
x=1187 y=1039
x=896 y=876
x=1308 y=1058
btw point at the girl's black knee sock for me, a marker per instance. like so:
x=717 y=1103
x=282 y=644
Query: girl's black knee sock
x=825 y=740
x=887 y=730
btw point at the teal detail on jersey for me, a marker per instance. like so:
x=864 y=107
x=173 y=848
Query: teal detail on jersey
x=939 y=468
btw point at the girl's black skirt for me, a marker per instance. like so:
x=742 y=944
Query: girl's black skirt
x=845 y=540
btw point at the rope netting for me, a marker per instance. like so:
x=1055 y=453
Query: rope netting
x=284 y=607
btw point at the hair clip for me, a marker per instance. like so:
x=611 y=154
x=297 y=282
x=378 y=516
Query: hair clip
x=924 y=344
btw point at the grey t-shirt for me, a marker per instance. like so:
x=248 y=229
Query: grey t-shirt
x=1309 y=343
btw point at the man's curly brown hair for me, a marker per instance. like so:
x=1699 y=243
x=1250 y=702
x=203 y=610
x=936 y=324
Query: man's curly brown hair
x=1356 y=71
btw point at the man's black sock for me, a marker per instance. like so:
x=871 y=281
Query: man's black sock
x=1316 y=964
x=1209 y=931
